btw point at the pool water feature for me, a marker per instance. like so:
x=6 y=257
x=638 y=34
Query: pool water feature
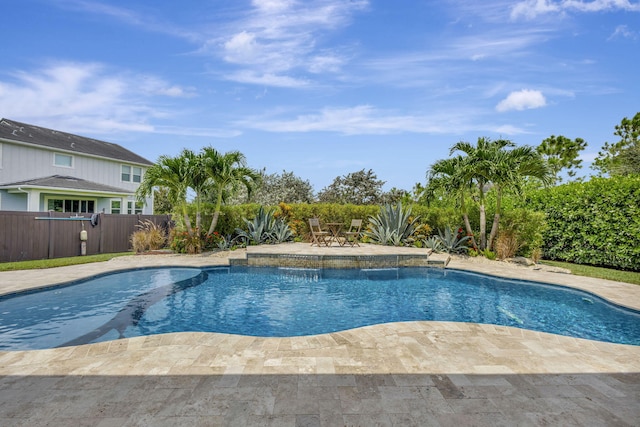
x=280 y=302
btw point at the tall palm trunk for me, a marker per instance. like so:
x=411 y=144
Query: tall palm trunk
x=483 y=218
x=467 y=224
x=198 y=215
x=216 y=214
x=483 y=228
x=496 y=218
x=187 y=220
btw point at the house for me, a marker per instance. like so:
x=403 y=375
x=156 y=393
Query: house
x=47 y=170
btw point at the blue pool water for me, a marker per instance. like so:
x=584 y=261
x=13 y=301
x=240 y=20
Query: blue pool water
x=292 y=302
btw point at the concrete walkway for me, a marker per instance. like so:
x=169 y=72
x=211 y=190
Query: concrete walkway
x=411 y=373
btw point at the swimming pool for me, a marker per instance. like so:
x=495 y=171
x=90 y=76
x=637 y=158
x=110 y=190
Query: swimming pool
x=277 y=302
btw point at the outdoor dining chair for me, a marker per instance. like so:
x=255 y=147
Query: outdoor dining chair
x=318 y=236
x=352 y=236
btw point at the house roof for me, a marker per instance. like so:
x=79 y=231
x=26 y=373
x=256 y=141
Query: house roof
x=25 y=133
x=67 y=183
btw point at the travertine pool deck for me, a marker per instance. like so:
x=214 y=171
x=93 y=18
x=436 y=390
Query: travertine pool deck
x=404 y=374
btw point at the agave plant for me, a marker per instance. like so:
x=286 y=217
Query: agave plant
x=259 y=229
x=281 y=231
x=450 y=242
x=434 y=243
x=393 y=226
x=226 y=242
x=264 y=228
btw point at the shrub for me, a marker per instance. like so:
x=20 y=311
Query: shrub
x=595 y=222
x=521 y=232
x=489 y=254
x=507 y=244
x=182 y=242
x=149 y=236
x=139 y=241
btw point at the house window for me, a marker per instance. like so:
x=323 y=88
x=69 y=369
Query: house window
x=134 y=207
x=131 y=173
x=63 y=160
x=126 y=173
x=115 y=206
x=71 y=205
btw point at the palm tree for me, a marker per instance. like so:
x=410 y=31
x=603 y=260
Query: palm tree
x=448 y=175
x=511 y=168
x=225 y=174
x=487 y=165
x=174 y=174
x=478 y=168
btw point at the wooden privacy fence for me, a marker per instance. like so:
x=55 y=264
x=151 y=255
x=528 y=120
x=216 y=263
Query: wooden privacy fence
x=41 y=235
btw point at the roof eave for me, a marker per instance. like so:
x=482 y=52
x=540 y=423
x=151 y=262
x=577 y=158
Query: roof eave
x=62 y=190
x=75 y=153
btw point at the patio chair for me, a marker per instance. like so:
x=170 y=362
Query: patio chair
x=352 y=236
x=318 y=236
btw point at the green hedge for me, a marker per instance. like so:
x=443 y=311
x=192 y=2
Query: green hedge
x=298 y=215
x=596 y=222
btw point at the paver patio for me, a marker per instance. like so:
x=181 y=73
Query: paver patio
x=404 y=374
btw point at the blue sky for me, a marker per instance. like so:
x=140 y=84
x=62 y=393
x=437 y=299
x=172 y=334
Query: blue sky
x=323 y=88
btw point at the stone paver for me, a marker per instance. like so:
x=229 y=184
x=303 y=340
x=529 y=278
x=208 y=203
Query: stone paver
x=399 y=374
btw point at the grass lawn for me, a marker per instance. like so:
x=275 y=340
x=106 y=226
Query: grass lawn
x=598 y=272
x=58 y=262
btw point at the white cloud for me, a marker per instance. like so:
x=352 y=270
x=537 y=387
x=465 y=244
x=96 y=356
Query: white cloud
x=86 y=96
x=522 y=100
x=241 y=48
x=266 y=79
x=281 y=37
x=365 y=120
x=624 y=32
x=509 y=130
x=272 y=5
x=130 y=17
x=530 y=9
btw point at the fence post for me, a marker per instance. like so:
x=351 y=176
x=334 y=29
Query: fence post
x=100 y=239
x=51 y=239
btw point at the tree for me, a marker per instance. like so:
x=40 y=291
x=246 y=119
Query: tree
x=275 y=188
x=561 y=153
x=358 y=188
x=623 y=157
x=487 y=165
x=225 y=173
x=510 y=170
x=161 y=202
x=174 y=174
x=450 y=176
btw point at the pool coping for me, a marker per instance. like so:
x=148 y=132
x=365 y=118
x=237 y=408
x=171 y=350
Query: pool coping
x=407 y=373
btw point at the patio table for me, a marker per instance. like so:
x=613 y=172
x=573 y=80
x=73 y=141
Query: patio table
x=335 y=228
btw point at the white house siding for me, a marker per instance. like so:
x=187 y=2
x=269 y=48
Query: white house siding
x=29 y=162
x=12 y=202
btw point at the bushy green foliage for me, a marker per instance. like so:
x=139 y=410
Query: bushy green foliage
x=437 y=218
x=595 y=222
x=527 y=227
